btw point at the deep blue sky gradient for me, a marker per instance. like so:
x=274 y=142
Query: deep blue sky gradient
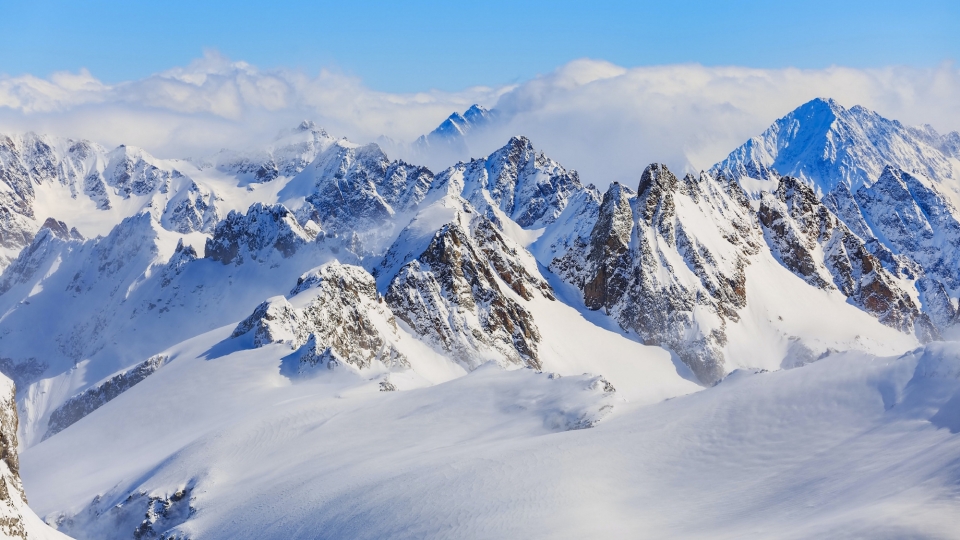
x=419 y=45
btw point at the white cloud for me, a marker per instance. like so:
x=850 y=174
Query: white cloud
x=691 y=116
x=605 y=120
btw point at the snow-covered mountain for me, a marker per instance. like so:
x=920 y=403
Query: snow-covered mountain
x=894 y=187
x=451 y=133
x=249 y=326
x=826 y=145
x=82 y=183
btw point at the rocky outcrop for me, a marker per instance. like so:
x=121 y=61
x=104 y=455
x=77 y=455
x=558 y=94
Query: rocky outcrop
x=257 y=234
x=12 y=498
x=915 y=220
x=808 y=239
x=193 y=208
x=353 y=188
x=649 y=266
x=530 y=188
x=844 y=205
x=141 y=515
x=92 y=399
x=17 y=520
x=130 y=172
x=52 y=238
x=78 y=170
x=334 y=316
x=451 y=295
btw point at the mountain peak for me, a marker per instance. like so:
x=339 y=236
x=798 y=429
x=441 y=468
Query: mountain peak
x=825 y=145
x=452 y=130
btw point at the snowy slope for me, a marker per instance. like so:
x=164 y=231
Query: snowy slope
x=239 y=450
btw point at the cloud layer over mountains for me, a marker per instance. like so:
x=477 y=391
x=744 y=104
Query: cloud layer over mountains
x=604 y=120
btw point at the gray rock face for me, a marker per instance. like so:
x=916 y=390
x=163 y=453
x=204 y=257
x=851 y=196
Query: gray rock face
x=449 y=294
x=354 y=189
x=631 y=266
x=194 y=208
x=257 y=234
x=340 y=319
x=31 y=160
x=129 y=174
x=34 y=256
x=530 y=188
x=12 y=498
x=90 y=400
x=80 y=170
x=17 y=520
x=808 y=239
x=916 y=221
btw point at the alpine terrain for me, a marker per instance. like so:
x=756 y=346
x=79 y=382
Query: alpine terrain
x=314 y=340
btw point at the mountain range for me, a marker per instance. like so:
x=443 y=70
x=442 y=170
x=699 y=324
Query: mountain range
x=202 y=345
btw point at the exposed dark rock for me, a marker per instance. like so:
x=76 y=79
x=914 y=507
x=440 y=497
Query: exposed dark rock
x=342 y=321
x=79 y=406
x=626 y=266
x=256 y=234
x=450 y=295
x=527 y=186
x=812 y=243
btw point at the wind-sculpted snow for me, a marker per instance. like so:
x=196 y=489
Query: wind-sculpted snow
x=403 y=280
x=497 y=454
x=826 y=145
x=176 y=495
x=339 y=319
x=808 y=239
x=668 y=263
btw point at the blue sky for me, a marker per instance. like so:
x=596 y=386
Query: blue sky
x=419 y=45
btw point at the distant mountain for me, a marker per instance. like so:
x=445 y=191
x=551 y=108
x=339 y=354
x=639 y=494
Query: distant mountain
x=825 y=145
x=92 y=188
x=451 y=133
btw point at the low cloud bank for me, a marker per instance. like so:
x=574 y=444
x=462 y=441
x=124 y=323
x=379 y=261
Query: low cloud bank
x=604 y=120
